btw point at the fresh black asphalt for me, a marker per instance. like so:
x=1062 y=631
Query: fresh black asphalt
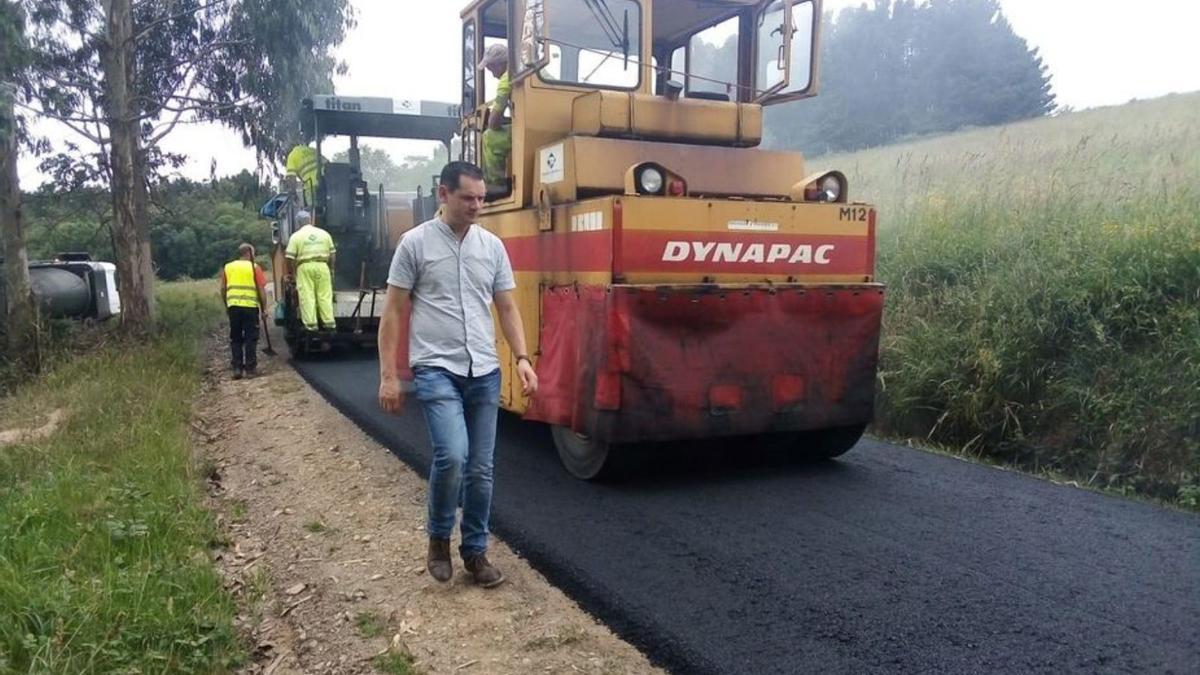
x=890 y=559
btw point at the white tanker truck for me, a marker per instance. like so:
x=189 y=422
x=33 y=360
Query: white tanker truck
x=72 y=286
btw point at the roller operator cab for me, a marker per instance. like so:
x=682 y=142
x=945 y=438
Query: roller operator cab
x=676 y=281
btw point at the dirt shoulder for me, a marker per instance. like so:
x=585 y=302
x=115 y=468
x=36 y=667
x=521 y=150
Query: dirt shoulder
x=326 y=547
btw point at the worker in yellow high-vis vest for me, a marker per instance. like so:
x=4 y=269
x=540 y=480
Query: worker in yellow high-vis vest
x=243 y=287
x=310 y=255
x=303 y=163
x=497 y=138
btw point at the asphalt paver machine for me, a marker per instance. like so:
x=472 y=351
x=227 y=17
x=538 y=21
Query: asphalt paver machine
x=365 y=221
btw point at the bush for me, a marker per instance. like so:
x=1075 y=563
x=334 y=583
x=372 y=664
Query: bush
x=1044 y=292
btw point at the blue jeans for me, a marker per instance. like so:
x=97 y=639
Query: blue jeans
x=461 y=415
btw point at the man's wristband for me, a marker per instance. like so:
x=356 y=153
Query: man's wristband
x=525 y=358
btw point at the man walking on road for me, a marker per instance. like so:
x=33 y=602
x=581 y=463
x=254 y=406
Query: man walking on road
x=243 y=289
x=446 y=273
x=311 y=255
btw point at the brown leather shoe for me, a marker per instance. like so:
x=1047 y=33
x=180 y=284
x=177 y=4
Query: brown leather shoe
x=438 y=560
x=484 y=572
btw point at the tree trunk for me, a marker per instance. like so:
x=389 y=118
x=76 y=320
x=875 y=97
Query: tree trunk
x=135 y=268
x=20 y=317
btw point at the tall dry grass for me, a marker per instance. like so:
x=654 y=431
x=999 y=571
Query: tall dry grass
x=1044 y=292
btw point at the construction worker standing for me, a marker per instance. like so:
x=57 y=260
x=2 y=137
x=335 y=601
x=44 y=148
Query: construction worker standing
x=243 y=289
x=497 y=138
x=310 y=256
x=303 y=163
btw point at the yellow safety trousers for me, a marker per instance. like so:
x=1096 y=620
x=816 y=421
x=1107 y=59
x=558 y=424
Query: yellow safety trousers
x=497 y=144
x=240 y=289
x=314 y=284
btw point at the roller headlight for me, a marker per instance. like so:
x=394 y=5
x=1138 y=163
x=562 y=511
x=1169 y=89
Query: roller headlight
x=826 y=187
x=831 y=188
x=653 y=179
x=650 y=181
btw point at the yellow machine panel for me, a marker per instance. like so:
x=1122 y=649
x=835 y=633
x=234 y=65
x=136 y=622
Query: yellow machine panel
x=579 y=166
x=631 y=115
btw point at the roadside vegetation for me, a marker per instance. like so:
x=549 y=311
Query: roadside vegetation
x=194 y=227
x=1044 y=293
x=104 y=540
x=56 y=343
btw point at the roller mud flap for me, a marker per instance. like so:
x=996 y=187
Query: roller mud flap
x=629 y=364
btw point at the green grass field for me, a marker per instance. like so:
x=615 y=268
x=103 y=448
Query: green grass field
x=104 y=564
x=1044 y=293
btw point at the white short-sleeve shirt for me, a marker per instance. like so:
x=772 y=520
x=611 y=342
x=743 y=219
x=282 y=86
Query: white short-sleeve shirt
x=452 y=286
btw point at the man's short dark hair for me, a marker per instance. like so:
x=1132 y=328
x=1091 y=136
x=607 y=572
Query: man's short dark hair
x=453 y=172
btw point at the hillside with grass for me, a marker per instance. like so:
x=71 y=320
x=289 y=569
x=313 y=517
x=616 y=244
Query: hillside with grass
x=1044 y=293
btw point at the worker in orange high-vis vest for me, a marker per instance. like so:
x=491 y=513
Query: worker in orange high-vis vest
x=244 y=289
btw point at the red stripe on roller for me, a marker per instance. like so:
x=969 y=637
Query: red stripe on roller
x=618 y=258
x=871 y=243
x=561 y=252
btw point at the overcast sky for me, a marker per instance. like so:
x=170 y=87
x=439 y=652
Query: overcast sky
x=1100 y=52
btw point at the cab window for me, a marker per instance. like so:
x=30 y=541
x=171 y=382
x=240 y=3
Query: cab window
x=713 y=61
x=596 y=43
x=701 y=43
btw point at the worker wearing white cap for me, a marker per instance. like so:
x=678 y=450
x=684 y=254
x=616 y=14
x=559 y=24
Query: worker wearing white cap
x=310 y=255
x=497 y=138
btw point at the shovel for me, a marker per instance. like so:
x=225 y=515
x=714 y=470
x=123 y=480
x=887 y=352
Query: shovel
x=268 y=350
